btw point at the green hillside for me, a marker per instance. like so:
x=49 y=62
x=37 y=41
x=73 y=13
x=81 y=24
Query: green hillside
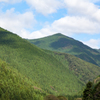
x=62 y=43
x=98 y=50
x=15 y=86
x=34 y=63
x=96 y=80
x=83 y=70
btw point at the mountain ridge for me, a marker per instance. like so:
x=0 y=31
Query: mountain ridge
x=52 y=74
x=83 y=70
x=62 y=43
x=36 y=64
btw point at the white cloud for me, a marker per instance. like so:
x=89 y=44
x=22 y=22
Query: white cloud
x=16 y=22
x=11 y=1
x=83 y=17
x=68 y=26
x=3 y=0
x=94 y=1
x=75 y=7
x=80 y=6
x=76 y=25
x=83 y=8
x=45 y=6
x=93 y=43
x=40 y=33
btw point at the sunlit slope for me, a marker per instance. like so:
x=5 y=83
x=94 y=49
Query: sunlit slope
x=15 y=86
x=62 y=43
x=83 y=70
x=34 y=63
x=96 y=80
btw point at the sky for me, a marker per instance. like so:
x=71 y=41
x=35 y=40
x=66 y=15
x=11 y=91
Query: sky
x=32 y=19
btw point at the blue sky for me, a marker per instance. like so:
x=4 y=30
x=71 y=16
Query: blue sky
x=79 y=19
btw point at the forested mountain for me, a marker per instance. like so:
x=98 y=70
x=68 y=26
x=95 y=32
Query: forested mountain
x=62 y=43
x=83 y=70
x=28 y=72
x=98 y=50
x=34 y=63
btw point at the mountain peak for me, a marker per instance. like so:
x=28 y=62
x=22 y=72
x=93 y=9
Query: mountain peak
x=59 y=34
x=62 y=43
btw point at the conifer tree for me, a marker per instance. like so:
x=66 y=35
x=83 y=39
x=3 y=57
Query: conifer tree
x=87 y=93
x=96 y=92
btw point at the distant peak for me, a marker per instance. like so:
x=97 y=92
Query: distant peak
x=58 y=34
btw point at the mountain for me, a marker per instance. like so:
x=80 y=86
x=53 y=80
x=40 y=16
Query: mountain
x=34 y=63
x=50 y=72
x=98 y=50
x=83 y=70
x=62 y=43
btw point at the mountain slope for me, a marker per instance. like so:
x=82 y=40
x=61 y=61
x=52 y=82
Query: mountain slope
x=15 y=86
x=83 y=70
x=62 y=43
x=98 y=50
x=96 y=80
x=34 y=63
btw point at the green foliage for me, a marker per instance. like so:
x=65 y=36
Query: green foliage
x=92 y=91
x=62 y=43
x=51 y=97
x=87 y=93
x=96 y=80
x=55 y=73
x=61 y=98
x=34 y=63
x=96 y=92
x=83 y=70
x=15 y=86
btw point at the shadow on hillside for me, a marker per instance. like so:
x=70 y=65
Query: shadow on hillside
x=62 y=42
x=4 y=38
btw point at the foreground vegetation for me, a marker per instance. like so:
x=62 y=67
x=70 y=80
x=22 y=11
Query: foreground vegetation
x=15 y=86
x=92 y=91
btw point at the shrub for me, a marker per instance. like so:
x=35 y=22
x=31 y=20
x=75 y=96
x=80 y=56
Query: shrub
x=51 y=97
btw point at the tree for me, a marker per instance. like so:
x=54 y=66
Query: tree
x=51 y=97
x=61 y=98
x=87 y=93
x=96 y=92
